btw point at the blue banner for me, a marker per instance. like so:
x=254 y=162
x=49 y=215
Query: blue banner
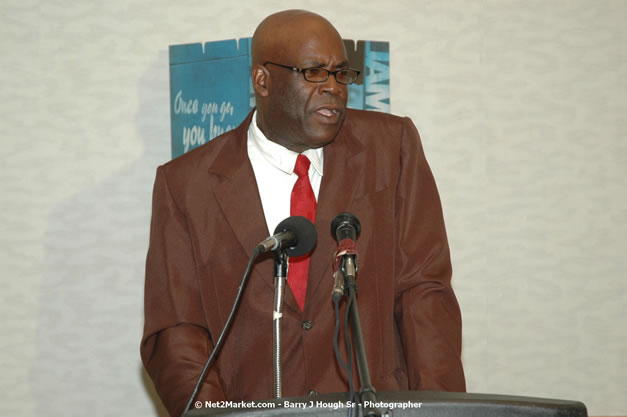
x=211 y=90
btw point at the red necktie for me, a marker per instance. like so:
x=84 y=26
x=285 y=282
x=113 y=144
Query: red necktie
x=302 y=203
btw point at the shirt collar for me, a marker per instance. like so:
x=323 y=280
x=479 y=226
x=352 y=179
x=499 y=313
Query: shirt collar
x=279 y=156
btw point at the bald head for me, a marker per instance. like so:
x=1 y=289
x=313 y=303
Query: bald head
x=281 y=32
x=292 y=111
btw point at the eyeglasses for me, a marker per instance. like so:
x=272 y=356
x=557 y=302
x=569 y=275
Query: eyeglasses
x=320 y=75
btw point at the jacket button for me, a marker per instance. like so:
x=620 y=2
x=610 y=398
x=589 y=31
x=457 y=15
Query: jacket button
x=307 y=325
x=312 y=392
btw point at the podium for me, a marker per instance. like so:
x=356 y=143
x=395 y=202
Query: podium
x=400 y=404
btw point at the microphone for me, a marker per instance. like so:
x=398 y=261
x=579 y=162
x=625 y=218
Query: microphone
x=295 y=235
x=345 y=227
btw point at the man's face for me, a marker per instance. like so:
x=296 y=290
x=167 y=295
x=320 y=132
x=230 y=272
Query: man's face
x=302 y=114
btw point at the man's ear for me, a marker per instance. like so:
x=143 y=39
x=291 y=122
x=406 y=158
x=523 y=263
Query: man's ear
x=261 y=80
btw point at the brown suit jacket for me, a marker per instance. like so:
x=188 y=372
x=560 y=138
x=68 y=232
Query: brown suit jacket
x=207 y=218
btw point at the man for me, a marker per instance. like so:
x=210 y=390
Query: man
x=212 y=206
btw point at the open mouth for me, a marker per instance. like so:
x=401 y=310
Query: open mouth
x=329 y=114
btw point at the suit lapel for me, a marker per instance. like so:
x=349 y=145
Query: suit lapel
x=236 y=192
x=341 y=182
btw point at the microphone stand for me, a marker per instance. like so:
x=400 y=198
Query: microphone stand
x=367 y=392
x=280 y=277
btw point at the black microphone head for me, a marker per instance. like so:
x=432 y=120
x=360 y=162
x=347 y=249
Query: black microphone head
x=345 y=225
x=306 y=235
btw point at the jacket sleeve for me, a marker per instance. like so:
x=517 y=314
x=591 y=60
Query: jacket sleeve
x=426 y=310
x=176 y=342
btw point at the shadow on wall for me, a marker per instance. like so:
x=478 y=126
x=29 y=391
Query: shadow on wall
x=91 y=305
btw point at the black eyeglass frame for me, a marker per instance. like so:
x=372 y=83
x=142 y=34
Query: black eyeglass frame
x=303 y=71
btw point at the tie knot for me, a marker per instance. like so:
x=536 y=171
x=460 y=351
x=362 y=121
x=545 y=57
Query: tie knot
x=302 y=165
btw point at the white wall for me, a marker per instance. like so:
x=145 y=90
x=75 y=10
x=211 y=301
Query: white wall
x=523 y=111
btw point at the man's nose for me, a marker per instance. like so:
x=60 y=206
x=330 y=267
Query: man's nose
x=332 y=86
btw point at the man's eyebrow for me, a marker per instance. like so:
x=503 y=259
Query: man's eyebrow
x=318 y=64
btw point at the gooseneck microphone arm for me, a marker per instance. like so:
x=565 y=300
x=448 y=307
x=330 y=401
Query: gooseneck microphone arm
x=294 y=236
x=367 y=392
x=346 y=227
x=218 y=344
x=280 y=277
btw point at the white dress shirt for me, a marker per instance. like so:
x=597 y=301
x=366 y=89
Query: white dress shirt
x=274 y=171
